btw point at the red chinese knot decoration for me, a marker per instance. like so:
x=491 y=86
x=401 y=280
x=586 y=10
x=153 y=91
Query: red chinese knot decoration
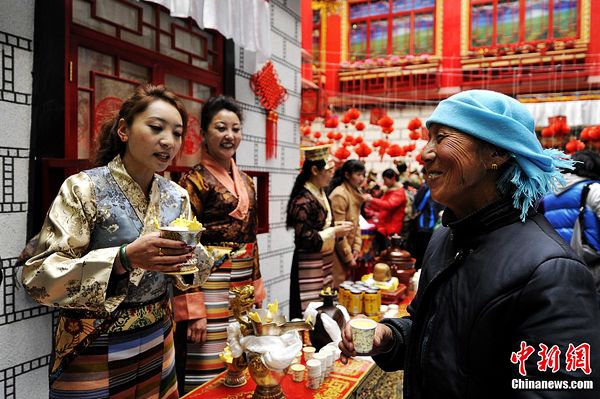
x=271 y=94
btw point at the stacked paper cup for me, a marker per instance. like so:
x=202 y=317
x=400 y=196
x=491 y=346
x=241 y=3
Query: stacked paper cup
x=322 y=357
x=313 y=380
x=330 y=356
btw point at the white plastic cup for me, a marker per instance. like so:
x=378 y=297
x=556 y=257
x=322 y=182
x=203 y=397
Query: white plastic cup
x=363 y=332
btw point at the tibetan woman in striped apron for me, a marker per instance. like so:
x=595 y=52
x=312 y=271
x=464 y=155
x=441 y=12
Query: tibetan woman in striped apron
x=100 y=261
x=309 y=214
x=223 y=199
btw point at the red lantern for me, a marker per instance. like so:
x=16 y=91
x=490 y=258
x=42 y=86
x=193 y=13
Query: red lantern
x=595 y=133
x=409 y=147
x=341 y=153
x=317 y=135
x=359 y=126
x=414 y=135
x=562 y=128
x=414 y=124
x=386 y=122
x=330 y=134
x=585 y=134
x=358 y=140
x=574 y=146
x=338 y=136
x=395 y=151
x=381 y=152
x=346 y=119
x=306 y=131
x=419 y=159
x=349 y=139
x=387 y=130
x=362 y=150
x=331 y=123
x=353 y=113
x=547 y=132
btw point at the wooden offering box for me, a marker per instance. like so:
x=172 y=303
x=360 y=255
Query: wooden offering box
x=388 y=297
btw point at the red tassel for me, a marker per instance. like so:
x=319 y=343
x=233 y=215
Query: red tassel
x=271 y=135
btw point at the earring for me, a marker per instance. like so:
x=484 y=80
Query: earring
x=494 y=166
x=124 y=139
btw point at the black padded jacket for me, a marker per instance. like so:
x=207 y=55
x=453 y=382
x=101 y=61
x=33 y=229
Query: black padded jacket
x=489 y=283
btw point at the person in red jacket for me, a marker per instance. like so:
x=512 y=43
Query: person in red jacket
x=391 y=207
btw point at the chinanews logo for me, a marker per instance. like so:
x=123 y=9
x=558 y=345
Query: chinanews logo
x=577 y=358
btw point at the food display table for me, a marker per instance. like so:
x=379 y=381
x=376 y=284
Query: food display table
x=345 y=381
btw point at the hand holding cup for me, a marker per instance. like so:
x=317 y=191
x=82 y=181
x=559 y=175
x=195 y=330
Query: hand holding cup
x=363 y=336
x=342 y=228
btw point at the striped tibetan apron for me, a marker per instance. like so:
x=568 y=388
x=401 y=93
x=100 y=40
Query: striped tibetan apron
x=127 y=361
x=202 y=361
x=314 y=274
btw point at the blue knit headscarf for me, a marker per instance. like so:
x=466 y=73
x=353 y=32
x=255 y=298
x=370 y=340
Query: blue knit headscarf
x=504 y=122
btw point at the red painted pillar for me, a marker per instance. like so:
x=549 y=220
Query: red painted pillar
x=333 y=50
x=593 y=58
x=307 y=27
x=451 y=78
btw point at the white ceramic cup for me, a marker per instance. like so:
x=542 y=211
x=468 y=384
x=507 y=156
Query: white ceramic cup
x=363 y=332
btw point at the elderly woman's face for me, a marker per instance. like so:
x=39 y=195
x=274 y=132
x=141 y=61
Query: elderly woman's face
x=455 y=171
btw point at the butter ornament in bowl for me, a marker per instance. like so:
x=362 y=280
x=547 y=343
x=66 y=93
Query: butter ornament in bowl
x=382 y=278
x=235 y=376
x=190 y=232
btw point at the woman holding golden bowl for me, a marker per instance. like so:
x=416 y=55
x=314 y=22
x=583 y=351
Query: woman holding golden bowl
x=101 y=262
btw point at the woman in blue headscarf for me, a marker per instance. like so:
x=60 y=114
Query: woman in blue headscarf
x=503 y=304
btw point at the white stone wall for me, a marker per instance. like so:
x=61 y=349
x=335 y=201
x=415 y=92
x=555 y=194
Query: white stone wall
x=276 y=247
x=24 y=327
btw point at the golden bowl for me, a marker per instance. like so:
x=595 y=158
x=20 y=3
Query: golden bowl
x=268 y=381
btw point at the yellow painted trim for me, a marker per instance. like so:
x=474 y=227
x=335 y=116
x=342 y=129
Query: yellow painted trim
x=323 y=35
x=465 y=15
x=323 y=57
x=439 y=26
x=586 y=15
x=345 y=24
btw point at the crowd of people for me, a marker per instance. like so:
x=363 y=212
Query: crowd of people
x=496 y=274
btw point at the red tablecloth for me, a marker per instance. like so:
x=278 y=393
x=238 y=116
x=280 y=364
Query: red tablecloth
x=340 y=384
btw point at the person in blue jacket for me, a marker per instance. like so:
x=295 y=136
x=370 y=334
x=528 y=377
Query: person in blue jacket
x=504 y=308
x=562 y=207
